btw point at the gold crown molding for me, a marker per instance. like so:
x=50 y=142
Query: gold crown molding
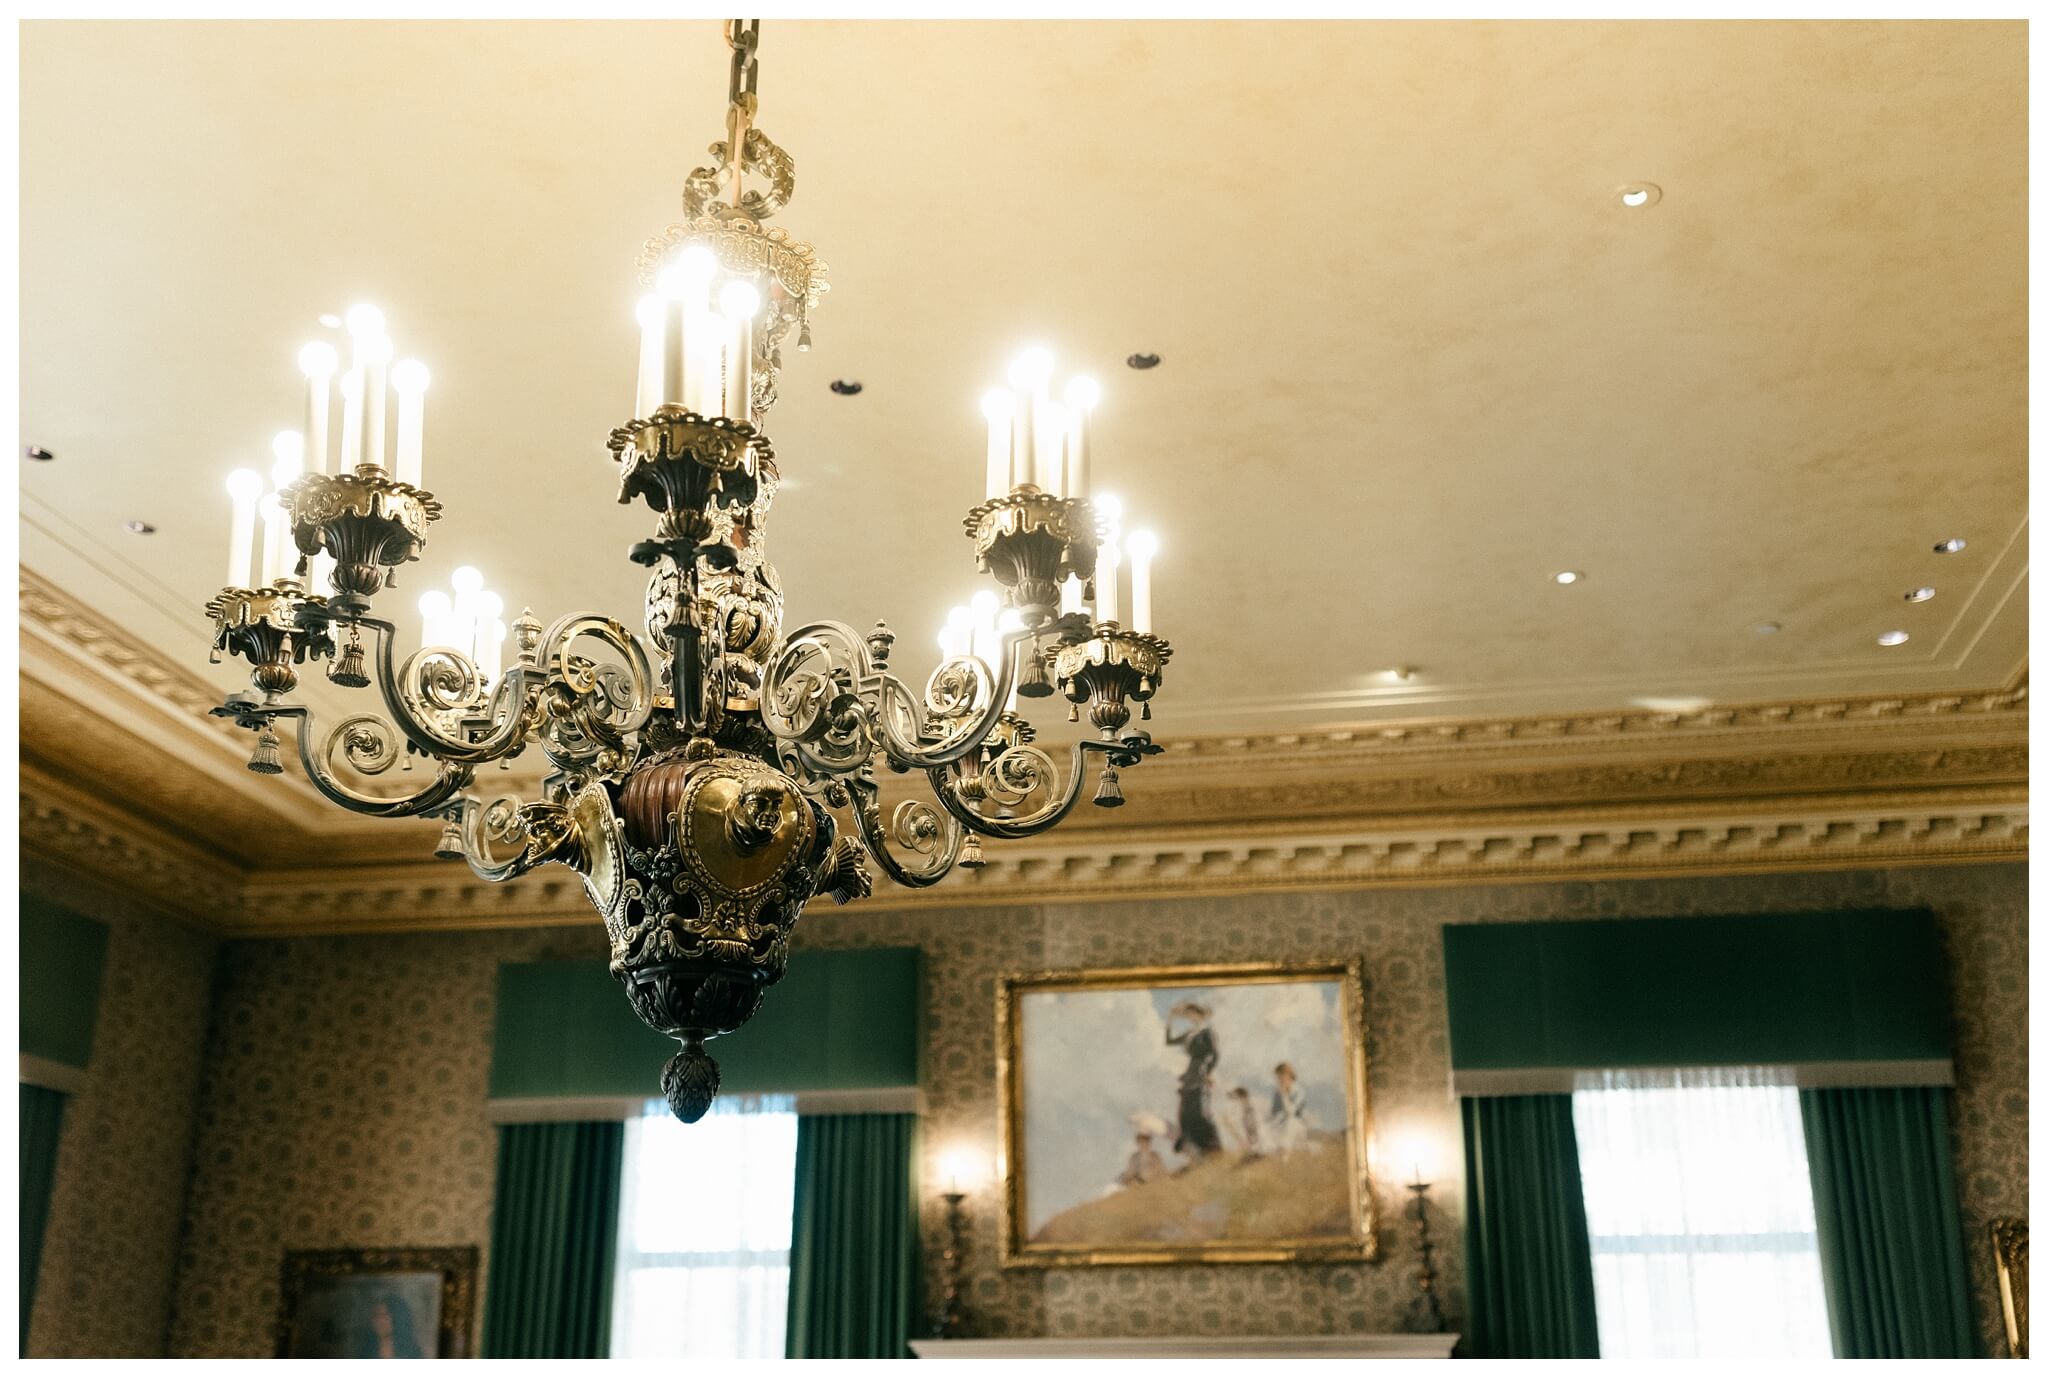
x=1820 y=783
x=1976 y=710
x=48 y=611
x=107 y=847
x=422 y=896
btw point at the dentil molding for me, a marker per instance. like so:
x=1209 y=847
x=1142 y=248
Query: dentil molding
x=1883 y=780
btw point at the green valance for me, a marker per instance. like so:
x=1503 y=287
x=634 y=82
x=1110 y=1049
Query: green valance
x=1855 y=998
x=61 y=957
x=839 y=1025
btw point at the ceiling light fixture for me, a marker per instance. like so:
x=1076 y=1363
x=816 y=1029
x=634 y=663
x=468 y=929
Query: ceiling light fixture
x=1143 y=361
x=1567 y=576
x=1949 y=546
x=716 y=775
x=1920 y=595
x=37 y=453
x=846 y=387
x=1768 y=628
x=1638 y=194
x=1892 y=638
x=141 y=528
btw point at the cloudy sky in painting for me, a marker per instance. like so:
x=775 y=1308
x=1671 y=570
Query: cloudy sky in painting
x=1093 y=1059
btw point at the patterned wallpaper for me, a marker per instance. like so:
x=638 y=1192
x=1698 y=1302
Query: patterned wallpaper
x=110 y=1249
x=343 y=1097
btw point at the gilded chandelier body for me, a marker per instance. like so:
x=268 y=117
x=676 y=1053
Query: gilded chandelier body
x=703 y=771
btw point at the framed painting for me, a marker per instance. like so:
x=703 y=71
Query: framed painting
x=1212 y=1114
x=377 y=1304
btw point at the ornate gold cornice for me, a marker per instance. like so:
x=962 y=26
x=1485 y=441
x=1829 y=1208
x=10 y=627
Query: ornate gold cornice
x=430 y=895
x=1885 y=780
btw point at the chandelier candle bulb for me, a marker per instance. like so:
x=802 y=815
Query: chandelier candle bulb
x=1143 y=546
x=954 y=636
x=287 y=448
x=676 y=381
x=1029 y=375
x=409 y=379
x=1070 y=596
x=696 y=344
x=647 y=396
x=244 y=487
x=999 y=408
x=378 y=363
x=351 y=420
x=317 y=361
x=434 y=613
x=490 y=636
x=1106 y=561
x=1051 y=432
x=323 y=574
x=740 y=302
x=273 y=537
x=1082 y=395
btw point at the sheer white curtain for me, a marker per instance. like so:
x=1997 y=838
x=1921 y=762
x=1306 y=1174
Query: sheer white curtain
x=704 y=1221
x=1701 y=1216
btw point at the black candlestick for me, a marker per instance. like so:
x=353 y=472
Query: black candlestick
x=1426 y=1312
x=946 y=1320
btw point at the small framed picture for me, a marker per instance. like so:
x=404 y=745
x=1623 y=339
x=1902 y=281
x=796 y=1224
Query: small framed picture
x=377 y=1304
x=1184 y=1115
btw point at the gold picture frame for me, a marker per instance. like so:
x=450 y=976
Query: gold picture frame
x=328 y=1295
x=1358 y=1242
x=2009 y=1247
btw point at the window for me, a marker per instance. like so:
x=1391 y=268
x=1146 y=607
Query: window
x=1701 y=1216
x=704 y=1220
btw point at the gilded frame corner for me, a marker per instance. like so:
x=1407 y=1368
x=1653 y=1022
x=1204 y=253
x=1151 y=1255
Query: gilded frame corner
x=1363 y=1244
x=457 y=1267
x=2009 y=1248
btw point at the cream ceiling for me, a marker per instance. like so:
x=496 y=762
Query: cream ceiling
x=1417 y=357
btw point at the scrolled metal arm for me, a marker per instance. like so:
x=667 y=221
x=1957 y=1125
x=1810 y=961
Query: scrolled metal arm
x=542 y=832
x=913 y=825
x=834 y=717
x=370 y=745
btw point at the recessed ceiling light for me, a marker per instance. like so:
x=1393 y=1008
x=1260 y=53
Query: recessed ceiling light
x=1638 y=194
x=1567 y=576
x=1893 y=638
x=1921 y=594
x=1949 y=546
x=140 y=527
x=331 y=321
x=846 y=387
x=1768 y=628
x=1398 y=674
x=37 y=453
x=1142 y=361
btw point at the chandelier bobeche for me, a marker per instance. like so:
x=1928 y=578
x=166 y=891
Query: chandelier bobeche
x=698 y=773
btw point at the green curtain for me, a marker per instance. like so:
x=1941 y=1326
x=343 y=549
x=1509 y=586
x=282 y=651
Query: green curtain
x=853 y=1270
x=1891 y=1238
x=42 y=1121
x=1528 y=1259
x=554 y=1230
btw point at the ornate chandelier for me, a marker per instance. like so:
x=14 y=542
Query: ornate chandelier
x=699 y=774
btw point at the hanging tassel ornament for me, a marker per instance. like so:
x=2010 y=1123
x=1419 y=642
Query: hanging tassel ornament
x=449 y=848
x=348 y=669
x=265 y=760
x=1109 y=793
x=970 y=854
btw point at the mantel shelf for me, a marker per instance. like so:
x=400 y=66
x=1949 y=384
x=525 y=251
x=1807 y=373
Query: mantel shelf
x=1195 y=1347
